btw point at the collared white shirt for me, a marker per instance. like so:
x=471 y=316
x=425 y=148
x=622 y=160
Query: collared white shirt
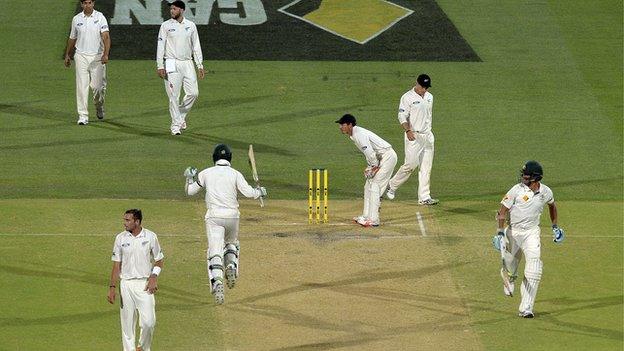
x=417 y=110
x=134 y=253
x=179 y=41
x=221 y=183
x=525 y=207
x=87 y=32
x=371 y=145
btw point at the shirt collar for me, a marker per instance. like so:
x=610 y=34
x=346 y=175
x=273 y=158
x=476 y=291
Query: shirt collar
x=222 y=162
x=92 y=14
x=141 y=234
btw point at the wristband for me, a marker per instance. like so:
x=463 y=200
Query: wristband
x=156 y=270
x=501 y=231
x=407 y=131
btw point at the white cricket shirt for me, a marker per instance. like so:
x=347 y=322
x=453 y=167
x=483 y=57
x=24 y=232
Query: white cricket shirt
x=221 y=183
x=372 y=146
x=417 y=110
x=179 y=41
x=87 y=32
x=525 y=207
x=134 y=253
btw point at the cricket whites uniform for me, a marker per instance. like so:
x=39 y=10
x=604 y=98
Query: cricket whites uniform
x=221 y=183
x=523 y=237
x=135 y=254
x=178 y=45
x=378 y=152
x=417 y=110
x=90 y=72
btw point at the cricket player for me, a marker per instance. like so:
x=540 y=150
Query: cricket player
x=133 y=252
x=221 y=184
x=381 y=160
x=415 y=110
x=524 y=203
x=178 y=44
x=89 y=36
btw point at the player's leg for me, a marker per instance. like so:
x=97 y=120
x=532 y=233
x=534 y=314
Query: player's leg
x=98 y=85
x=532 y=272
x=82 y=87
x=510 y=257
x=216 y=232
x=425 y=165
x=367 y=195
x=412 y=152
x=173 y=84
x=231 y=254
x=127 y=313
x=379 y=183
x=145 y=304
x=191 y=91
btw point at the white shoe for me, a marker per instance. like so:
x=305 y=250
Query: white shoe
x=219 y=293
x=230 y=275
x=508 y=284
x=175 y=132
x=390 y=194
x=526 y=314
x=428 y=202
x=83 y=121
x=357 y=219
x=365 y=222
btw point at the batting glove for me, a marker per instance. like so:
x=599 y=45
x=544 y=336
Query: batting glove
x=558 y=234
x=190 y=173
x=497 y=239
x=262 y=190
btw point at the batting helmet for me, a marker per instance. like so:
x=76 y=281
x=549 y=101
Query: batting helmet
x=222 y=152
x=532 y=169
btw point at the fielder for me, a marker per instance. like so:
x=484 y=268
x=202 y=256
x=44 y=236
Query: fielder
x=221 y=183
x=178 y=42
x=415 y=110
x=381 y=160
x=524 y=203
x=89 y=36
x=139 y=280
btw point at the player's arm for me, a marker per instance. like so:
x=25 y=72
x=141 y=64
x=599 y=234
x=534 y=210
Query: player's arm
x=247 y=190
x=71 y=44
x=157 y=254
x=114 y=281
x=192 y=186
x=197 y=52
x=552 y=210
x=107 y=45
x=558 y=233
x=501 y=217
x=160 y=51
x=403 y=117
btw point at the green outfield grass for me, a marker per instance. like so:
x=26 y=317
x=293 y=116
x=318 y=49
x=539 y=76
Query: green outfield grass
x=549 y=87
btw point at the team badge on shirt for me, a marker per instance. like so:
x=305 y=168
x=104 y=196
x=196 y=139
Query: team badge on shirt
x=525 y=198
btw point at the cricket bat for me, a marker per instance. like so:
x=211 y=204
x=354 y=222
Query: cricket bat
x=254 y=171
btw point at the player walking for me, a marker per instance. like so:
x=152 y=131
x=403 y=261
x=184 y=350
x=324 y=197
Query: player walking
x=178 y=42
x=415 y=110
x=89 y=35
x=524 y=203
x=381 y=160
x=131 y=262
x=221 y=183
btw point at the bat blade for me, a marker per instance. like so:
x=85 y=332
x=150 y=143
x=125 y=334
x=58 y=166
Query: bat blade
x=254 y=170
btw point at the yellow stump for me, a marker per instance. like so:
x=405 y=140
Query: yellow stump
x=325 y=197
x=310 y=185
x=318 y=195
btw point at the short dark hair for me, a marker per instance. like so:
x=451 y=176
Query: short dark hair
x=136 y=213
x=81 y=1
x=347 y=119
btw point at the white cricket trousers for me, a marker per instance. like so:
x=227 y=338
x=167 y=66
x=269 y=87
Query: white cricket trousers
x=418 y=154
x=184 y=77
x=376 y=186
x=519 y=242
x=134 y=298
x=223 y=246
x=90 y=72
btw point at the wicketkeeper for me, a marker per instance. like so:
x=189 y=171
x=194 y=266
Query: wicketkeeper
x=524 y=203
x=221 y=183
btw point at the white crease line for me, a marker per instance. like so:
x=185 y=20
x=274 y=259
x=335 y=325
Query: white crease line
x=421 y=224
x=375 y=233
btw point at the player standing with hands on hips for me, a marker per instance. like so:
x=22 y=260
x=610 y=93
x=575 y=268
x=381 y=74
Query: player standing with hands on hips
x=381 y=160
x=415 y=115
x=133 y=252
x=221 y=184
x=178 y=44
x=524 y=203
x=89 y=36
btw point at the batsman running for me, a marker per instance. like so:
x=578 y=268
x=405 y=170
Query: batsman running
x=221 y=183
x=381 y=160
x=524 y=203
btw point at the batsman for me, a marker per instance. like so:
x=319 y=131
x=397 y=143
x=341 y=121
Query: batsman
x=523 y=204
x=221 y=183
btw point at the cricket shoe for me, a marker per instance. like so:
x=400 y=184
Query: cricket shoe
x=508 y=284
x=526 y=314
x=365 y=222
x=219 y=293
x=230 y=275
x=175 y=132
x=83 y=122
x=356 y=219
x=99 y=111
x=390 y=194
x=428 y=202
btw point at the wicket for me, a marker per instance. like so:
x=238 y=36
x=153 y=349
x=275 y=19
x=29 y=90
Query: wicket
x=314 y=197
